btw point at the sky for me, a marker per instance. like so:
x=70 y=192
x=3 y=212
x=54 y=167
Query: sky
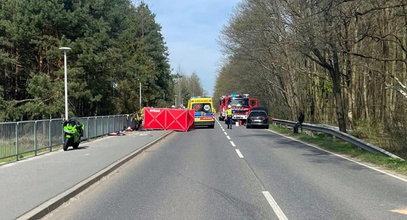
x=191 y=30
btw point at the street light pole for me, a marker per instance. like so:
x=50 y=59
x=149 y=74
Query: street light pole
x=140 y=94
x=179 y=90
x=65 y=80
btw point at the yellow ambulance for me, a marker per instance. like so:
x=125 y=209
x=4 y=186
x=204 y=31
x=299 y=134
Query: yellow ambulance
x=204 y=111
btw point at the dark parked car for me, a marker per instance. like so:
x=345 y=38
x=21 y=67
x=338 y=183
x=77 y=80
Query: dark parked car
x=260 y=108
x=257 y=118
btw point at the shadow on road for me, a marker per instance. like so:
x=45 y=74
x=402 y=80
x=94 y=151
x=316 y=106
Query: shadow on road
x=79 y=148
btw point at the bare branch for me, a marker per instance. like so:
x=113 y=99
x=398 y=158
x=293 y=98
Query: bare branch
x=375 y=58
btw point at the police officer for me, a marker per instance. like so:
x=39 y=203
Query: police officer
x=229 y=116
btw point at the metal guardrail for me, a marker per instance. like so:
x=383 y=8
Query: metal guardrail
x=339 y=134
x=18 y=138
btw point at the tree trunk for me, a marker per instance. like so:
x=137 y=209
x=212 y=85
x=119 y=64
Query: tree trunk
x=339 y=107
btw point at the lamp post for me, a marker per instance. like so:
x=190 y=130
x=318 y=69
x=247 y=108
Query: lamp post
x=140 y=94
x=65 y=80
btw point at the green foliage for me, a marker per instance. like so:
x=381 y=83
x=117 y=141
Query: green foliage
x=47 y=100
x=115 y=46
x=186 y=87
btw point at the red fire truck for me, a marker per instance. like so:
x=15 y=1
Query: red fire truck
x=240 y=104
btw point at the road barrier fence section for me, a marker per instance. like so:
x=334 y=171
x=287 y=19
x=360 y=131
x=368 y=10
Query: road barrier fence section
x=28 y=138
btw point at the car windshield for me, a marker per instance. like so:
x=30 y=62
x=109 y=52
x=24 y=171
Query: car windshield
x=202 y=107
x=239 y=102
x=259 y=113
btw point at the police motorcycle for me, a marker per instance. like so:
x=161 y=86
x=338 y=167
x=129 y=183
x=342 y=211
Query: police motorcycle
x=73 y=131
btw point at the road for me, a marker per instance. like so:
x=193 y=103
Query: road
x=28 y=183
x=239 y=174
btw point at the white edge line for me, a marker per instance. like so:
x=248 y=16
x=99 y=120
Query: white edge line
x=239 y=153
x=280 y=214
x=232 y=143
x=343 y=157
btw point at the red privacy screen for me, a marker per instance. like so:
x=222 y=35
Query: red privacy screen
x=168 y=119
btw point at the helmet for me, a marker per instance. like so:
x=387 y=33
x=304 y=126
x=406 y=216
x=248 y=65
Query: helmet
x=229 y=106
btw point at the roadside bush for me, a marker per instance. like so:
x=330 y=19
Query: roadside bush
x=391 y=136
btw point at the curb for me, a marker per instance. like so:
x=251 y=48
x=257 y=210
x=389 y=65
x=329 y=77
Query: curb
x=53 y=203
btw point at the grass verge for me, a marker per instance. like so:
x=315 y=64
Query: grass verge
x=29 y=154
x=344 y=148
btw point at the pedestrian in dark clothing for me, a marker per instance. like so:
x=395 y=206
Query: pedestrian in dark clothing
x=301 y=118
x=299 y=122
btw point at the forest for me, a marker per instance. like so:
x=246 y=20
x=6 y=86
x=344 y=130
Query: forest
x=340 y=62
x=115 y=46
x=187 y=86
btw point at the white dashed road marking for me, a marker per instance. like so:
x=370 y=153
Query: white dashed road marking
x=276 y=208
x=280 y=214
x=239 y=153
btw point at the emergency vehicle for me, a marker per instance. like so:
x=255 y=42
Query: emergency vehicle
x=240 y=104
x=204 y=111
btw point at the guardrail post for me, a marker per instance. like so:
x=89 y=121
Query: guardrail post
x=121 y=122
x=108 y=124
x=96 y=130
x=49 y=135
x=17 y=140
x=87 y=128
x=114 y=123
x=35 y=138
x=62 y=132
x=333 y=138
x=103 y=125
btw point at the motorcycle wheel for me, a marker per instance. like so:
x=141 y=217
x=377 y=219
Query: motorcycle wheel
x=65 y=146
x=75 y=145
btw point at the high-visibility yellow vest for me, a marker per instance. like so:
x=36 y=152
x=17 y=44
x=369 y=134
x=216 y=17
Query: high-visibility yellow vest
x=229 y=112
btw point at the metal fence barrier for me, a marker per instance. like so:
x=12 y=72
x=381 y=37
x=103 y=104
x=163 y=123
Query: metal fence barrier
x=339 y=134
x=24 y=137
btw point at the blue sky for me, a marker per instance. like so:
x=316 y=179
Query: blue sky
x=191 y=29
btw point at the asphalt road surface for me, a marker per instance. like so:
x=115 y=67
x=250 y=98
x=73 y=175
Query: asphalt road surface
x=239 y=174
x=28 y=183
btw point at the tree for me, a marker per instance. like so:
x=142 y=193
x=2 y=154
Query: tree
x=115 y=46
x=343 y=62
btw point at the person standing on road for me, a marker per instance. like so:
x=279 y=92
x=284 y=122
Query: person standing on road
x=229 y=114
x=299 y=122
x=139 y=118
